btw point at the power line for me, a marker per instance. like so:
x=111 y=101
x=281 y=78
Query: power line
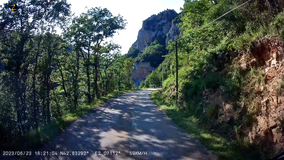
x=218 y=18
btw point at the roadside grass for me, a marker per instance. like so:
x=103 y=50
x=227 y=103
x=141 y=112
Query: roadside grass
x=219 y=145
x=46 y=133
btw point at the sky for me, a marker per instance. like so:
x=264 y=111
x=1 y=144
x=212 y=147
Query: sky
x=134 y=11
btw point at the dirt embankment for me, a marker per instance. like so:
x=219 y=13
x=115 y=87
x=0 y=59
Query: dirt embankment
x=262 y=95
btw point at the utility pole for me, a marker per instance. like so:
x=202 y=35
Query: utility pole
x=176 y=74
x=163 y=71
x=162 y=74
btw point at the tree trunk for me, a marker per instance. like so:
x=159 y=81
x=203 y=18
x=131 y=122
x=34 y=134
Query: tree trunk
x=19 y=121
x=63 y=81
x=88 y=76
x=76 y=90
x=34 y=98
x=43 y=110
x=106 y=81
x=96 y=76
x=48 y=116
x=89 y=85
x=18 y=105
x=48 y=73
x=23 y=105
x=57 y=106
x=18 y=90
x=23 y=99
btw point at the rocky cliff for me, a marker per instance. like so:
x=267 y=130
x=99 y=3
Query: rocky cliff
x=140 y=72
x=155 y=27
x=174 y=31
x=162 y=27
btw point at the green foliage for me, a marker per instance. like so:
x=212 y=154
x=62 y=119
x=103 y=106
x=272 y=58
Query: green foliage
x=28 y=54
x=152 y=81
x=281 y=122
x=133 y=52
x=233 y=81
x=127 y=71
x=153 y=54
x=90 y=36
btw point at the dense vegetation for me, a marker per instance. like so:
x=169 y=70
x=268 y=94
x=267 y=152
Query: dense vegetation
x=46 y=76
x=206 y=66
x=152 y=54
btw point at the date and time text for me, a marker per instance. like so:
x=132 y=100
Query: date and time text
x=70 y=153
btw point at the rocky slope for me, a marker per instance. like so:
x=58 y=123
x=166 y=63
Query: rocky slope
x=155 y=27
x=174 y=31
x=264 y=101
x=140 y=72
x=268 y=129
x=161 y=27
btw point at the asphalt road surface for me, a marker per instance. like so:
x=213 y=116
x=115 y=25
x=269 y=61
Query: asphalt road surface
x=129 y=126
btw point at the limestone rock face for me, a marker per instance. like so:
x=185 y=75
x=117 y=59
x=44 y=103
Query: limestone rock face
x=155 y=27
x=140 y=72
x=174 y=31
x=161 y=27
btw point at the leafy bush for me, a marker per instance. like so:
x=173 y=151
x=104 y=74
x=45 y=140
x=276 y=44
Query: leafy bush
x=152 y=81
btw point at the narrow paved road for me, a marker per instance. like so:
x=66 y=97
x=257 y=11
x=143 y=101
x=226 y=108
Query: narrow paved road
x=130 y=122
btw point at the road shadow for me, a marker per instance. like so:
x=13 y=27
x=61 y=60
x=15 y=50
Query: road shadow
x=130 y=122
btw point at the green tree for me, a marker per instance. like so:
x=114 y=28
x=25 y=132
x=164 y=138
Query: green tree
x=153 y=80
x=96 y=25
x=19 y=26
x=118 y=72
x=127 y=71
